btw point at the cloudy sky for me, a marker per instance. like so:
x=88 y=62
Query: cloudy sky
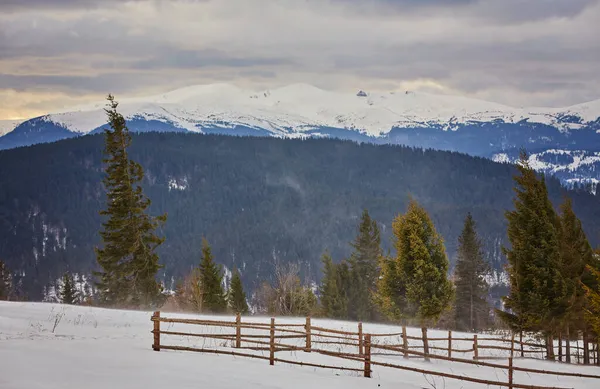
x=58 y=53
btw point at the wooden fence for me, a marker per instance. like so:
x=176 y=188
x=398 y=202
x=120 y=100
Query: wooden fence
x=367 y=346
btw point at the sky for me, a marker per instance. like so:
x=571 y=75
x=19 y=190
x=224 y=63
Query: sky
x=59 y=53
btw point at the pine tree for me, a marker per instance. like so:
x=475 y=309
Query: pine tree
x=576 y=254
x=68 y=291
x=364 y=264
x=334 y=300
x=213 y=296
x=538 y=291
x=5 y=282
x=237 y=296
x=415 y=283
x=128 y=259
x=471 y=309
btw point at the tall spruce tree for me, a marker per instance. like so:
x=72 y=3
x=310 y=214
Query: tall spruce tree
x=538 y=291
x=211 y=277
x=128 y=259
x=471 y=309
x=334 y=299
x=68 y=290
x=415 y=283
x=237 y=296
x=5 y=282
x=576 y=255
x=364 y=263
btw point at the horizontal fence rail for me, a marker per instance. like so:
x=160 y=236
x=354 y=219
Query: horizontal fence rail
x=357 y=347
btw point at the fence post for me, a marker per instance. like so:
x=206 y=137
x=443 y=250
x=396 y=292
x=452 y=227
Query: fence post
x=568 y=346
x=449 y=344
x=368 y=356
x=475 y=348
x=425 y=343
x=238 y=330
x=308 y=335
x=156 y=319
x=510 y=373
x=512 y=345
x=272 y=343
x=360 y=339
x=404 y=342
x=586 y=348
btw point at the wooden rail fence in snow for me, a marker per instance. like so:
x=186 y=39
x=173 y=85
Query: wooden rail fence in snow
x=367 y=346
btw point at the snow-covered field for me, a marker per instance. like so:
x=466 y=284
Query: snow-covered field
x=99 y=348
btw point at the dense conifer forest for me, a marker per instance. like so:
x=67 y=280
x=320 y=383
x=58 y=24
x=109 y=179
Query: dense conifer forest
x=260 y=202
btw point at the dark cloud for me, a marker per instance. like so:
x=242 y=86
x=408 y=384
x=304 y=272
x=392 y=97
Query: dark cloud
x=20 y=5
x=520 y=11
x=191 y=59
x=499 y=11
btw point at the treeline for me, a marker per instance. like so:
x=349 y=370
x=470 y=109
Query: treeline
x=413 y=286
x=259 y=201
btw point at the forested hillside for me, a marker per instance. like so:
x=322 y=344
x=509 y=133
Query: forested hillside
x=257 y=201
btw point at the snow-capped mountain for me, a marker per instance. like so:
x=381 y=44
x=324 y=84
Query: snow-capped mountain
x=412 y=118
x=7 y=126
x=572 y=167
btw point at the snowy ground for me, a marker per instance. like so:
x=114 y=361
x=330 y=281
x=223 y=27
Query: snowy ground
x=99 y=348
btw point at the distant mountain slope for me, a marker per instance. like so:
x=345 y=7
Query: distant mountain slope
x=296 y=111
x=7 y=126
x=257 y=200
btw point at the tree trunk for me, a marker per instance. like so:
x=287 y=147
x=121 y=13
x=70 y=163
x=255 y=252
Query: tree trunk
x=425 y=344
x=472 y=327
x=550 y=346
x=586 y=348
x=560 y=353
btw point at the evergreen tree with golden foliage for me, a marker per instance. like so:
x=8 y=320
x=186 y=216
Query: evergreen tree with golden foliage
x=592 y=312
x=128 y=257
x=414 y=284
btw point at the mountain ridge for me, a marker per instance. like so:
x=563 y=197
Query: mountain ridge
x=416 y=119
x=303 y=106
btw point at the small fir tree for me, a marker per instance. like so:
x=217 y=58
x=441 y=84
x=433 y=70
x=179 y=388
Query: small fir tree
x=415 y=283
x=68 y=290
x=211 y=277
x=364 y=264
x=471 y=309
x=334 y=300
x=128 y=259
x=5 y=282
x=237 y=296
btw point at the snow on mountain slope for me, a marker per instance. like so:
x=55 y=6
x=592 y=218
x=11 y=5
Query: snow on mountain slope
x=7 y=126
x=301 y=107
x=57 y=346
